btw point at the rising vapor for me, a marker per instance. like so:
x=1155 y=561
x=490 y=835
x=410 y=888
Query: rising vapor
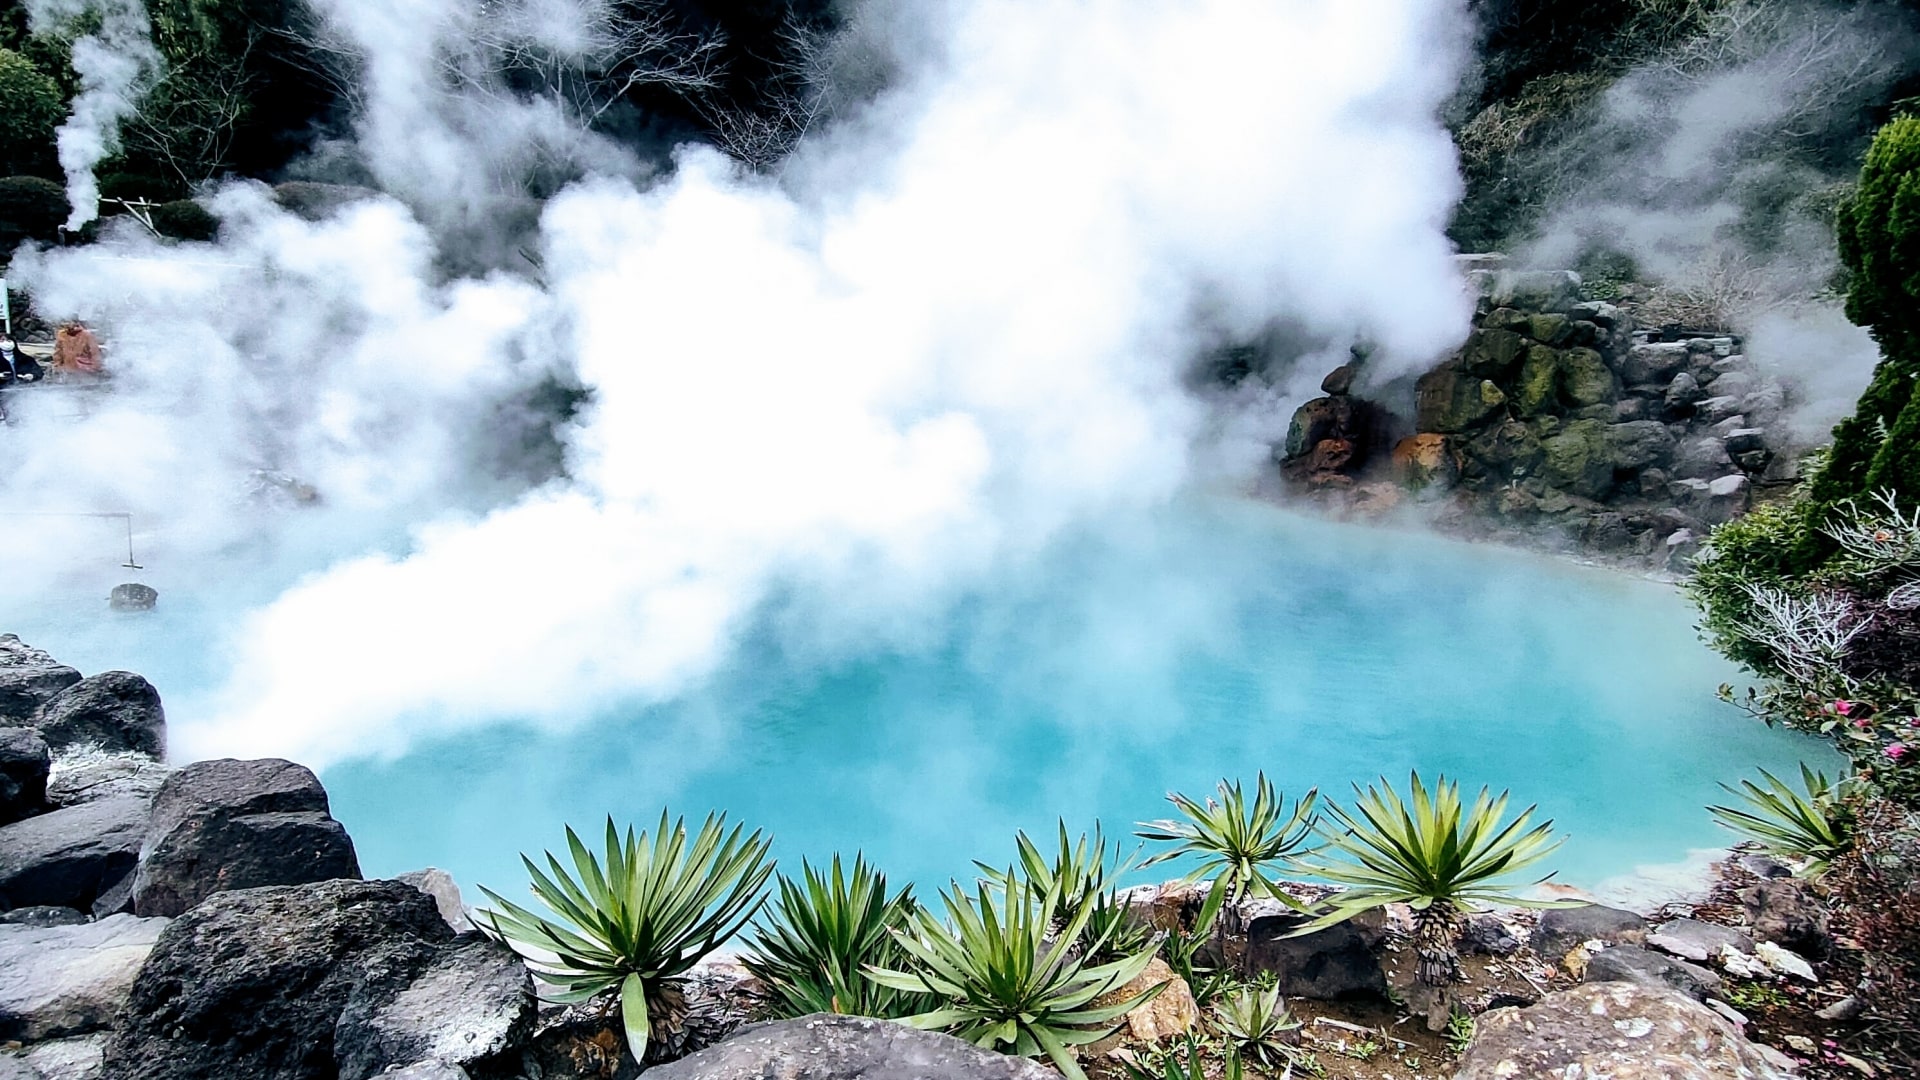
x=953 y=327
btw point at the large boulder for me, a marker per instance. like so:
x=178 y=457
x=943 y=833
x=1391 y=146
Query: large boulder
x=228 y=824
x=1579 y=459
x=305 y=982
x=69 y=980
x=1450 y=399
x=1492 y=354
x=29 y=678
x=1318 y=420
x=1653 y=364
x=1783 y=911
x=1560 y=929
x=24 y=762
x=1338 y=962
x=1535 y=290
x=822 y=1047
x=114 y=710
x=69 y=857
x=1533 y=391
x=1615 y=1030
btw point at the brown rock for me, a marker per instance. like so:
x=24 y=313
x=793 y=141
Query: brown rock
x=1330 y=455
x=1339 y=380
x=1420 y=460
x=1171 y=1012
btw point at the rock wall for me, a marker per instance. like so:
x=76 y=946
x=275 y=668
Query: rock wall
x=1557 y=417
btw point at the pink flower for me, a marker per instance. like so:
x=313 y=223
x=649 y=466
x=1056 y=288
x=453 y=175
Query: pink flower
x=1896 y=751
x=1863 y=723
x=1843 y=707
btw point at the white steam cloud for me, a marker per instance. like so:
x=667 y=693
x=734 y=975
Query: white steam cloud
x=1707 y=166
x=116 y=65
x=955 y=326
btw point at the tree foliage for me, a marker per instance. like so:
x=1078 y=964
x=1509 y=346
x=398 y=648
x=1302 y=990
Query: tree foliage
x=30 y=109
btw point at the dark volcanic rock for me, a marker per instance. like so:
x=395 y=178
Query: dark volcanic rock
x=28 y=679
x=1631 y=963
x=256 y=983
x=473 y=1002
x=43 y=916
x=24 y=762
x=68 y=857
x=1451 y=399
x=114 y=710
x=1317 y=420
x=228 y=824
x=1337 y=962
x=1561 y=929
x=822 y=1047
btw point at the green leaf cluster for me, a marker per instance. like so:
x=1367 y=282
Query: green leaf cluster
x=641 y=915
x=1258 y=1024
x=1813 y=824
x=1009 y=982
x=30 y=108
x=1432 y=849
x=1239 y=844
x=823 y=931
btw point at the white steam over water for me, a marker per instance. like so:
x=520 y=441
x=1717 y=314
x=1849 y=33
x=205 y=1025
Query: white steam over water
x=956 y=326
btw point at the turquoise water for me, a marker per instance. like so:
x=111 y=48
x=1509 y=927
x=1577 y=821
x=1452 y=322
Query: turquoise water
x=1217 y=640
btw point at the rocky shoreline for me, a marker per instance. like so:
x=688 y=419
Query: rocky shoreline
x=1558 y=424
x=209 y=920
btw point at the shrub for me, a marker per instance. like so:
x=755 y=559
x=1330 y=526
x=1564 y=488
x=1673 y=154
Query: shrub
x=1876 y=894
x=30 y=209
x=30 y=109
x=184 y=219
x=1008 y=982
x=1259 y=1026
x=638 y=922
x=1764 y=547
x=1439 y=856
x=1878 y=447
x=826 y=929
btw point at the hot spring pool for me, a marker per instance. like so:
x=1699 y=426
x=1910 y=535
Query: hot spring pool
x=1222 y=639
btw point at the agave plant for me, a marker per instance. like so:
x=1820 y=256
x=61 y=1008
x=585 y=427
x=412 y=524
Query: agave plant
x=1239 y=845
x=1079 y=875
x=637 y=922
x=1438 y=855
x=1815 y=827
x=1007 y=983
x=1187 y=1062
x=824 y=931
x=1259 y=1025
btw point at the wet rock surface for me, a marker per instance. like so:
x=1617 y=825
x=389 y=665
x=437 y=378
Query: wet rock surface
x=69 y=857
x=114 y=710
x=24 y=763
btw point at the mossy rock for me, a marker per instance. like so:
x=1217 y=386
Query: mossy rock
x=1551 y=328
x=1535 y=390
x=1493 y=353
x=1585 y=379
x=1505 y=451
x=1450 y=399
x=185 y=219
x=1507 y=318
x=1579 y=460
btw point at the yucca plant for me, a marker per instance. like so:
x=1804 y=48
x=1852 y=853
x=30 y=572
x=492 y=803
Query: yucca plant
x=1007 y=983
x=1080 y=874
x=1259 y=1025
x=1239 y=845
x=1815 y=826
x=823 y=931
x=1439 y=856
x=638 y=922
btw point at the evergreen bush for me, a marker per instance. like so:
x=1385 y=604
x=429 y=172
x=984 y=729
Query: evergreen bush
x=31 y=208
x=30 y=110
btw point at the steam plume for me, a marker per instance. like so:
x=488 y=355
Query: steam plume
x=116 y=64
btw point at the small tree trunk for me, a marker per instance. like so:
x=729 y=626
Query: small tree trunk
x=1435 y=929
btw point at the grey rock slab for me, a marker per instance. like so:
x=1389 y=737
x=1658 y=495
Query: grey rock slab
x=1631 y=963
x=69 y=980
x=68 y=857
x=114 y=710
x=1781 y=911
x=1698 y=941
x=1560 y=929
x=474 y=1001
x=440 y=885
x=1619 y=1031
x=42 y=915
x=824 y=1047
x=77 y=1058
x=87 y=775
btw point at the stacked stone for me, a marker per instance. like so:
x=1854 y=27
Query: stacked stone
x=1558 y=412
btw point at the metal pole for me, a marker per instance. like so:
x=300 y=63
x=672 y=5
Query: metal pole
x=123 y=515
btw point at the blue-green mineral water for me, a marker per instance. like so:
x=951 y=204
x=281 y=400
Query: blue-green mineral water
x=1216 y=640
